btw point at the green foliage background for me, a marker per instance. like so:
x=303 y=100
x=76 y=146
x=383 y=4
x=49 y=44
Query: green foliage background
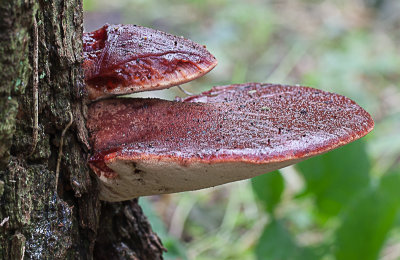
x=341 y=205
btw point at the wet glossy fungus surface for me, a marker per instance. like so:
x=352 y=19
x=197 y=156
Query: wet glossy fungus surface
x=121 y=59
x=251 y=123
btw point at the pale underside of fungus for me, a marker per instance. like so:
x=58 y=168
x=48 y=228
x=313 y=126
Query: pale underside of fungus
x=151 y=146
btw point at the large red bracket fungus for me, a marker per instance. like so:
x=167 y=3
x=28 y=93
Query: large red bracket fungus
x=152 y=146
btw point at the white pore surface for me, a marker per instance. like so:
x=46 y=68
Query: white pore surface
x=151 y=177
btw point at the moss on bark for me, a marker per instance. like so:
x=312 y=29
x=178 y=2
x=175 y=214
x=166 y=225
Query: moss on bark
x=14 y=66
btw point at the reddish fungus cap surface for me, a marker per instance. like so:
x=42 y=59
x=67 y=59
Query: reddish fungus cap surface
x=151 y=146
x=122 y=59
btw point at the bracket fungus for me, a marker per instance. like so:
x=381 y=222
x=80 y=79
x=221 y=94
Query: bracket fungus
x=152 y=146
x=122 y=59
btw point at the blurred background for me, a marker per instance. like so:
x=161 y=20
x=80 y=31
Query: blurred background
x=341 y=205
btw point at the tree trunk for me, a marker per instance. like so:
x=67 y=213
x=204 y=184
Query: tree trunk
x=37 y=219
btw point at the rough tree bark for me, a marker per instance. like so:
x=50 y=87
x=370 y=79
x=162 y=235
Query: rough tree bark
x=38 y=220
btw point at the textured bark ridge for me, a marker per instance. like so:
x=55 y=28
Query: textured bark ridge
x=37 y=219
x=127 y=234
x=151 y=146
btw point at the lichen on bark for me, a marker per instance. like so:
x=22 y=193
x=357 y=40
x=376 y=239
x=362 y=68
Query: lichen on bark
x=14 y=67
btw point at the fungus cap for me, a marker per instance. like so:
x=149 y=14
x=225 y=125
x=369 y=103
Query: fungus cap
x=151 y=146
x=123 y=59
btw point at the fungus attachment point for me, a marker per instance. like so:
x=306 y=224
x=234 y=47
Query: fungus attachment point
x=151 y=146
x=123 y=59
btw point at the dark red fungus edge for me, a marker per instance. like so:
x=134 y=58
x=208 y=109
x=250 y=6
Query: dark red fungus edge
x=250 y=123
x=97 y=163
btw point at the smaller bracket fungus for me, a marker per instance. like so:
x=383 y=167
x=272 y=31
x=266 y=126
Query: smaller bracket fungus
x=151 y=146
x=122 y=59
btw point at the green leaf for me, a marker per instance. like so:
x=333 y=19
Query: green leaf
x=368 y=220
x=334 y=178
x=273 y=240
x=276 y=242
x=268 y=188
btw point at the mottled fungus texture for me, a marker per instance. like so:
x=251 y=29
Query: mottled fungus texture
x=152 y=146
x=122 y=59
